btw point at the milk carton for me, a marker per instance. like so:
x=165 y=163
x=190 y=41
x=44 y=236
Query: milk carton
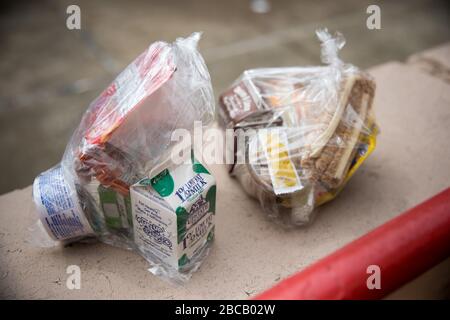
x=173 y=214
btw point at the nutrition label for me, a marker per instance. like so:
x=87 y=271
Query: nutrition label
x=58 y=206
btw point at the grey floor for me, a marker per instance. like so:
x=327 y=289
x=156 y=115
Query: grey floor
x=49 y=74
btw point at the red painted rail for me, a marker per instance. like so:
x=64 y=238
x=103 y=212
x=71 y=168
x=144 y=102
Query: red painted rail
x=403 y=248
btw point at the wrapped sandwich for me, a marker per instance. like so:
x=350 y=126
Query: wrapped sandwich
x=301 y=132
x=116 y=180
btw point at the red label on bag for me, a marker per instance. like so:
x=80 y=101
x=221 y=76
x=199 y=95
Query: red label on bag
x=137 y=82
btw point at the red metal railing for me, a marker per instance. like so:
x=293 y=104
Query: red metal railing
x=403 y=248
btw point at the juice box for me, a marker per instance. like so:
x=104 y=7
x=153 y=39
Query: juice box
x=174 y=213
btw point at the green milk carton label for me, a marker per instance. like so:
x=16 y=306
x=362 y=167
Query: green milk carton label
x=116 y=208
x=173 y=213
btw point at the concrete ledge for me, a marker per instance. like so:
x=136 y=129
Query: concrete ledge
x=250 y=253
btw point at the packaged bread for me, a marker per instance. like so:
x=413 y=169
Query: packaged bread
x=305 y=131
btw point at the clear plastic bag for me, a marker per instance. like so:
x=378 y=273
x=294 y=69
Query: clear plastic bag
x=301 y=132
x=104 y=185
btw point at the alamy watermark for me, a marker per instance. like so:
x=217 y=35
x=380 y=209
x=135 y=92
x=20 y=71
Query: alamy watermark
x=73 y=21
x=374 y=280
x=74 y=279
x=373 y=21
x=231 y=146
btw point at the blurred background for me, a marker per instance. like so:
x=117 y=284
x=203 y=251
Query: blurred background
x=49 y=74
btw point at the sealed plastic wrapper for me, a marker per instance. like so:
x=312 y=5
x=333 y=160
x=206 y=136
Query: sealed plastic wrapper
x=300 y=132
x=117 y=181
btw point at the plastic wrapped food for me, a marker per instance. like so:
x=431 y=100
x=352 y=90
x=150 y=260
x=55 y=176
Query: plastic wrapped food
x=301 y=132
x=105 y=186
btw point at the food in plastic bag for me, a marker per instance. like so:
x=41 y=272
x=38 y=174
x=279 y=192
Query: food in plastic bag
x=305 y=131
x=122 y=140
